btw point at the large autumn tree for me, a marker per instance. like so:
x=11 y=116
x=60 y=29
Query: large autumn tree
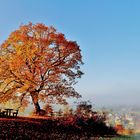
x=38 y=62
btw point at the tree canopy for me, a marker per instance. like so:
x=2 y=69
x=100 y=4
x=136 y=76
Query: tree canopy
x=38 y=62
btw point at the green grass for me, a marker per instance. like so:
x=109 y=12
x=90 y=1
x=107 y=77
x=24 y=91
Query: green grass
x=122 y=138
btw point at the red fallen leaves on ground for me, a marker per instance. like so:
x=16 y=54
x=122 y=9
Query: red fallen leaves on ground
x=56 y=128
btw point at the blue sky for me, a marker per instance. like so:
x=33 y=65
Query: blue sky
x=108 y=32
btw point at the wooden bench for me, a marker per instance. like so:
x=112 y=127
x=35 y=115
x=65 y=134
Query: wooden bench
x=8 y=112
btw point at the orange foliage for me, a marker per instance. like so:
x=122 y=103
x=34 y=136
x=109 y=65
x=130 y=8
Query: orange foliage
x=37 y=60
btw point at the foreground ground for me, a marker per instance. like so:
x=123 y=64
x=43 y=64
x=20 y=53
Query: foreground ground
x=53 y=129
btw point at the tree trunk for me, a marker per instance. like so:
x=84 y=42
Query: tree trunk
x=34 y=96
